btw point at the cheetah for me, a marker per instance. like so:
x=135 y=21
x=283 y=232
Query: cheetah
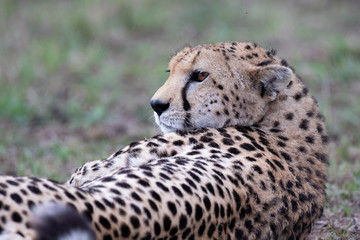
x=243 y=155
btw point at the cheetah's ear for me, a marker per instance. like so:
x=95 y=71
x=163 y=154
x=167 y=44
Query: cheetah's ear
x=271 y=80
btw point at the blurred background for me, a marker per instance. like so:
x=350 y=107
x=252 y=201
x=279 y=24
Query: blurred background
x=76 y=78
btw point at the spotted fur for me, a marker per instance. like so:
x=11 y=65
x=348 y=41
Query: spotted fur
x=243 y=156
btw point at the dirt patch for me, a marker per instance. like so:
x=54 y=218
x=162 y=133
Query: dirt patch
x=332 y=226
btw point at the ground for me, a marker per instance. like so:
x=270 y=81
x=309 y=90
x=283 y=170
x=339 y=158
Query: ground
x=76 y=78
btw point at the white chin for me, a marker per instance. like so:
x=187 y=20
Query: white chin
x=163 y=128
x=166 y=129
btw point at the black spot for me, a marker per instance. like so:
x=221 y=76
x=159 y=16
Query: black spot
x=178 y=142
x=228 y=141
x=108 y=203
x=310 y=139
x=257 y=145
x=210 y=188
x=155 y=196
x=294 y=205
x=198 y=212
x=108 y=237
x=125 y=230
x=289 y=116
x=136 y=196
x=166 y=223
x=218 y=173
x=222 y=211
x=264 y=141
x=302 y=149
x=192 y=140
x=274 y=130
x=211 y=230
x=99 y=205
x=305 y=91
x=270 y=53
x=135 y=222
x=214 y=145
x=207 y=203
x=304 y=124
x=172 y=207
x=278 y=164
x=16 y=197
x=257 y=169
x=248 y=147
x=135 y=208
x=143 y=183
x=302 y=197
x=248 y=225
x=239 y=235
x=264 y=63
x=152 y=144
x=324 y=139
x=188 y=208
x=177 y=191
x=271 y=176
x=298 y=96
x=271 y=164
x=221 y=193
x=16 y=217
x=284 y=63
x=234 y=151
x=201 y=228
x=13 y=183
x=283 y=138
x=147 y=212
x=310 y=114
x=206 y=139
x=192 y=153
x=322 y=157
x=34 y=190
x=251 y=159
x=104 y=222
x=153 y=205
x=123 y=185
x=157 y=228
x=183 y=222
x=162 y=186
x=286 y=156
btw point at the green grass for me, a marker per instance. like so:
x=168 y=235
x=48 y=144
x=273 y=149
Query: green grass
x=76 y=76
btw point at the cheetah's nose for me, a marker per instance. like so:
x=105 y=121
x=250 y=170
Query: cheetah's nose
x=159 y=106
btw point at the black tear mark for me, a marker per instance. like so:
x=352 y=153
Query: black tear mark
x=186 y=104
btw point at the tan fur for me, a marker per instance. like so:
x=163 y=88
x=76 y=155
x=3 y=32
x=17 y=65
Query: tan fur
x=246 y=159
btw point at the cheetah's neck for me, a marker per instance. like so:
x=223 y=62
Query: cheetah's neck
x=294 y=119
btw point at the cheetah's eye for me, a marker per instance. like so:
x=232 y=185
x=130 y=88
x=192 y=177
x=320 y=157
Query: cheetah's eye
x=200 y=76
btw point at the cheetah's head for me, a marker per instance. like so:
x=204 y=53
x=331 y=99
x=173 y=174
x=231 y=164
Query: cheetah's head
x=219 y=85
